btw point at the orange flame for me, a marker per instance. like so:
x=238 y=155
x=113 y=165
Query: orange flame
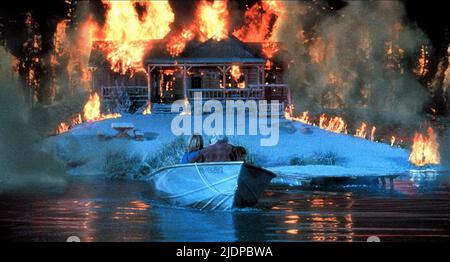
x=425 y=149
x=128 y=33
x=361 y=131
x=303 y=118
x=262 y=23
x=62 y=128
x=76 y=120
x=177 y=44
x=392 y=140
x=335 y=124
x=317 y=51
x=235 y=72
x=422 y=68
x=212 y=19
x=92 y=110
x=91 y=113
x=147 y=110
x=372 y=133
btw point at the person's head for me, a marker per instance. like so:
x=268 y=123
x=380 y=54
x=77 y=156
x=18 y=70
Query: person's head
x=218 y=139
x=195 y=143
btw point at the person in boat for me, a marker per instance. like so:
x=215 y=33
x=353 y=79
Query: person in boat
x=220 y=150
x=193 y=149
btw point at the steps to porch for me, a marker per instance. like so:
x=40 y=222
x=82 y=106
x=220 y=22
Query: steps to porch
x=158 y=108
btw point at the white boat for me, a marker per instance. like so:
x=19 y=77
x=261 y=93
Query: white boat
x=214 y=185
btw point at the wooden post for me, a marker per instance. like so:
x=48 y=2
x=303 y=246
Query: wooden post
x=258 y=78
x=224 y=76
x=184 y=83
x=261 y=74
x=149 y=89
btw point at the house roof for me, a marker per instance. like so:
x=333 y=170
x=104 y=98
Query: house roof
x=229 y=50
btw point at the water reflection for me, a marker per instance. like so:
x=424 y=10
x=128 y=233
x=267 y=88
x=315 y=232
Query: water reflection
x=97 y=210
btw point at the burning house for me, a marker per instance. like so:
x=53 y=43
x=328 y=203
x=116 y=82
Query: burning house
x=219 y=69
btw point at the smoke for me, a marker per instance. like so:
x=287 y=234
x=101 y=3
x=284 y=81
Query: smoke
x=357 y=59
x=22 y=163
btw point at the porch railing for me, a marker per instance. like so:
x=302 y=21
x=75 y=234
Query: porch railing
x=228 y=93
x=135 y=93
x=280 y=92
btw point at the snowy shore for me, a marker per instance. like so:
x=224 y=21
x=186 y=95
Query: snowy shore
x=83 y=153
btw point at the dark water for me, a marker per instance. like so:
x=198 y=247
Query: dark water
x=104 y=210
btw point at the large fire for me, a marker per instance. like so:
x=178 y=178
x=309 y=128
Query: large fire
x=177 y=44
x=130 y=26
x=425 y=149
x=212 y=19
x=128 y=33
x=262 y=23
x=91 y=113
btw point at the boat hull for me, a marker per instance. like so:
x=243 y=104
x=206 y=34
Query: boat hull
x=215 y=185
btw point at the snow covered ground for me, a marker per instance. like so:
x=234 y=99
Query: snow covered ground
x=84 y=153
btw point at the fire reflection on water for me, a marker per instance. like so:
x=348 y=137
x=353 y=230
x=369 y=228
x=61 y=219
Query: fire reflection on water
x=315 y=218
x=113 y=211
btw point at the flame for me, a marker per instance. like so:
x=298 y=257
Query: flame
x=92 y=112
x=303 y=118
x=425 y=149
x=235 y=72
x=32 y=46
x=177 y=44
x=73 y=52
x=60 y=38
x=394 y=56
x=317 y=51
x=361 y=131
x=147 y=110
x=212 y=19
x=372 y=133
x=76 y=120
x=261 y=24
x=422 y=68
x=128 y=33
x=62 y=128
x=392 y=140
x=335 y=124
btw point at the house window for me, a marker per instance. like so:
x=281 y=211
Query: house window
x=196 y=82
